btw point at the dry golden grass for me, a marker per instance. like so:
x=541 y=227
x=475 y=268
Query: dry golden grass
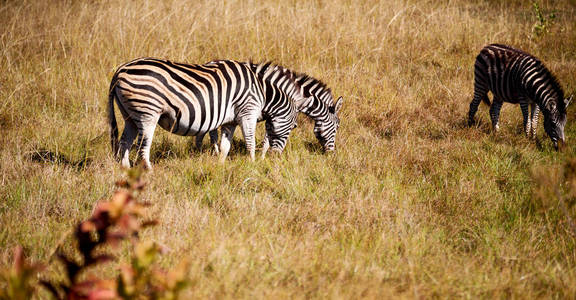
x=413 y=203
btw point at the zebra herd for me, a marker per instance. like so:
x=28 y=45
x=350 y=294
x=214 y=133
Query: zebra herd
x=192 y=100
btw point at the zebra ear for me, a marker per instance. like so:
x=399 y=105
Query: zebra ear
x=568 y=100
x=303 y=102
x=338 y=104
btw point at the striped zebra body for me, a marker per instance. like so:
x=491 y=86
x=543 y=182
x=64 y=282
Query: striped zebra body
x=189 y=100
x=515 y=76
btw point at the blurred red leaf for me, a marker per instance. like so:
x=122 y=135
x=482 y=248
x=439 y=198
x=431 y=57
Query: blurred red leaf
x=114 y=238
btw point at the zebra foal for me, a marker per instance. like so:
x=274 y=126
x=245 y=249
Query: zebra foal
x=515 y=76
x=191 y=100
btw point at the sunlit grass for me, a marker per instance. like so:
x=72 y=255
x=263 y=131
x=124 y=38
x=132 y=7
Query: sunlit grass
x=413 y=203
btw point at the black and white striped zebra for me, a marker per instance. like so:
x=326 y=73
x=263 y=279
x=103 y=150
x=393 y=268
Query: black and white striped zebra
x=515 y=76
x=193 y=100
x=319 y=104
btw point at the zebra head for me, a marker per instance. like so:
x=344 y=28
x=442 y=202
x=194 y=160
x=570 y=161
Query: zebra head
x=326 y=121
x=556 y=121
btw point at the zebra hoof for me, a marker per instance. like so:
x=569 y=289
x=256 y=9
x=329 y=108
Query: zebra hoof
x=147 y=167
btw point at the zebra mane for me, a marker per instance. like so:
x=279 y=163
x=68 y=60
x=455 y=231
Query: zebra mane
x=556 y=86
x=553 y=80
x=322 y=87
x=269 y=69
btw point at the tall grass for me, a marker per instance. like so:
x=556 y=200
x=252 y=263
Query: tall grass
x=413 y=203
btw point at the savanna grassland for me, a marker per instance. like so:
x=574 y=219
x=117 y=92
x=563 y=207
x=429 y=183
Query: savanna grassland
x=412 y=204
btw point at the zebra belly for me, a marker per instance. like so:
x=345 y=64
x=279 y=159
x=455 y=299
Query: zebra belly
x=183 y=125
x=513 y=98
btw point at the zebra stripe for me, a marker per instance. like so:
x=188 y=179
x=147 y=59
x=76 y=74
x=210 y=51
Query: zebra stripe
x=282 y=93
x=190 y=100
x=515 y=76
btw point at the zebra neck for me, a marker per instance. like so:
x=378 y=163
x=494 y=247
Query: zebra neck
x=542 y=87
x=317 y=110
x=313 y=86
x=548 y=100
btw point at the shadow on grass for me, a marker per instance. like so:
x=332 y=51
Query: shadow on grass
x=313 y=147
x=166 y=150
x=484 y=127
x=50 y=157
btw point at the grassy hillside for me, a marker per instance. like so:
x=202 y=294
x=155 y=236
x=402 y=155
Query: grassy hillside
x=412 y=204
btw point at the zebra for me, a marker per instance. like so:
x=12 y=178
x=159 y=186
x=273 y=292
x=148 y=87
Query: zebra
x=319 y=105
x=515 y=76
x=192 y=100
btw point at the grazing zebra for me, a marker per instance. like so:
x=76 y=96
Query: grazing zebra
x=319 y=104
x=515 y=76
x=192 y=100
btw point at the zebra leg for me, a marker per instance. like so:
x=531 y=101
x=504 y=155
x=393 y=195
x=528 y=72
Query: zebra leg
x=266 y=145
x=226 y=140
x=480 y=94
x=495 y=113
x=214 y=140
x=524 y=108
x=248 y=126
x=199 y=139
x=126 y=140
x=146 y=143
x=473 y=109
x=535 y=111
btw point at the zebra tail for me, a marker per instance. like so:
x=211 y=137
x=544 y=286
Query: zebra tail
x=112 y=118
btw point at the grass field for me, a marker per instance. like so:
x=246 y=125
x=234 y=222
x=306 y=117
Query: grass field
x=412 y=204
